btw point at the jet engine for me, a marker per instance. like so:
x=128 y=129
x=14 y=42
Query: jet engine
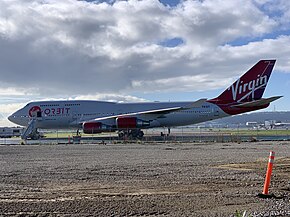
x=130 y=123
x=95 y=127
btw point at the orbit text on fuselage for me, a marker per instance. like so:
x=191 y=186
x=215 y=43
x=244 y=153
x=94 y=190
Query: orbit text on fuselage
x=56 y=111
x=240 y=87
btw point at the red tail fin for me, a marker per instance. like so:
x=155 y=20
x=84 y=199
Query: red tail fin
x=250 y=86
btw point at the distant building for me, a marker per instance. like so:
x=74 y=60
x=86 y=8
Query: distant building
x=245 y=120
x=8 y=132
x=251 y=123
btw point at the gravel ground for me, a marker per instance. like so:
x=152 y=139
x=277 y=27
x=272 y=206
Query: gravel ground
x=214 y=179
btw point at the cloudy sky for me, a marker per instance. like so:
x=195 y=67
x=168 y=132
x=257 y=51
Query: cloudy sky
x=138 y=50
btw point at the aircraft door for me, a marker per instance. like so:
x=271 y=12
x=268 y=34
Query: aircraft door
x=216 y=112
x=38 y=114
x=74 y=117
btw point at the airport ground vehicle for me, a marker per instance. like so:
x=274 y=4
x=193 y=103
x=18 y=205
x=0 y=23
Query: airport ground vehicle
x=8 y=132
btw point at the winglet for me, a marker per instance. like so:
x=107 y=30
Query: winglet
x=196 y=104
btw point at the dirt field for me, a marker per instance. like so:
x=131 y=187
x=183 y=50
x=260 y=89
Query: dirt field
x=143 y=179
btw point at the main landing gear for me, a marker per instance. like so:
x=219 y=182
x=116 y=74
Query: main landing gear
x=131 y=134
x=35 y=135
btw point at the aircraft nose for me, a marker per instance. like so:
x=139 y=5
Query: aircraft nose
x=11 y=118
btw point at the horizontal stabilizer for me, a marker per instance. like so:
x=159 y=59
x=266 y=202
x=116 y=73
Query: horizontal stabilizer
x=257 y=103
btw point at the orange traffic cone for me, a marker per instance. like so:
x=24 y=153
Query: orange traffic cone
x=265 y=193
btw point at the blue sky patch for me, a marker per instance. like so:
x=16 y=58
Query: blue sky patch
x=246 y=40
x=171 y=3
x=173 y=42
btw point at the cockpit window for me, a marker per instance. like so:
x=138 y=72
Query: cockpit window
x=28 y=104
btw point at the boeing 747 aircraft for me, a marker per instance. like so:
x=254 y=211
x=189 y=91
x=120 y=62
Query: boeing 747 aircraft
x=129 y=119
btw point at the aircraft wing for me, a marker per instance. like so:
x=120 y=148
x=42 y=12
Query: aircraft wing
x=259 y=102
x=152 y=114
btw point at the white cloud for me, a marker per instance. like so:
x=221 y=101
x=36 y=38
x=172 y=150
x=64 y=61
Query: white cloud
x=6 y=110
x=69 y=47
x=13 y=91
x=9 y=108
x=188 y=82
x=110 y=97
x=267 y=48
x=5 y=123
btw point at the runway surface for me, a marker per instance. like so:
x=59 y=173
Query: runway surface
x=210 y=179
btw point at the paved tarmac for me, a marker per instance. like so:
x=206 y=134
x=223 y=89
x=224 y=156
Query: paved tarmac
x=210 y=179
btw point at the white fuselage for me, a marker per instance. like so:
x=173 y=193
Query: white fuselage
x=70 y=114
